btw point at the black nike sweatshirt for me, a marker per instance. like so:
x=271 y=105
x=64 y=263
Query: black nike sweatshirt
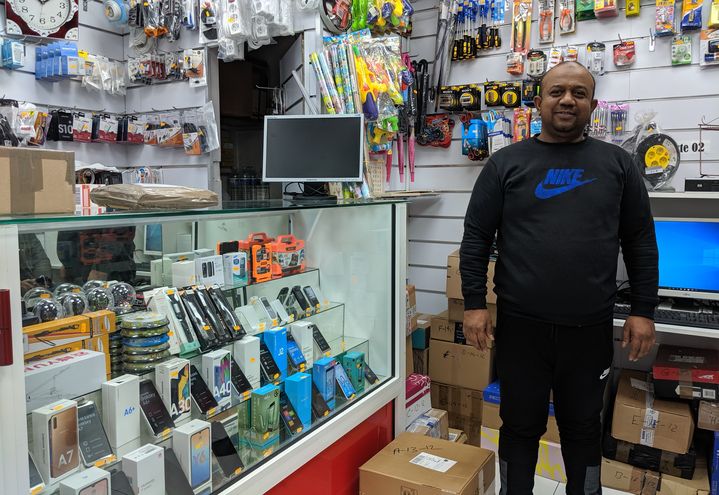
x=561 y=212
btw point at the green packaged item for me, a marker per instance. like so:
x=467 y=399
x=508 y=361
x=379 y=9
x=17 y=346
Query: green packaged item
x=265 y=413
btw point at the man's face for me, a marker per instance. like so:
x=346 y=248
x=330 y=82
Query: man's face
x=566 y=103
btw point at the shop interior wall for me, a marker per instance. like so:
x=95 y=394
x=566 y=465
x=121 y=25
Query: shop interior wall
x=682 y=96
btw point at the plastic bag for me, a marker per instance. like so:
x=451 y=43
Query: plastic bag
x=152 y=196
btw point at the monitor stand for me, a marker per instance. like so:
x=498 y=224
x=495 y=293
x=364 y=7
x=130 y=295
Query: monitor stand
x=314 y=192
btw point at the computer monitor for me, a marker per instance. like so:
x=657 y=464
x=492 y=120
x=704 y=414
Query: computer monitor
x=153 y=239
x=313 y=148
x=688 y=258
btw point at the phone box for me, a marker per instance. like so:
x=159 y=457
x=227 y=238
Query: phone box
x=69 y=375
x=56 y=444
x=353 y=363
x=95 y=478
x=323 y=375
x=235 y=269
x=145 y=469
x=121 y=409
x=247 y=355
x=250 y=319
x=298 y=388
x=183 y=273
x=265 y=413
x=216 y=369
x=302 y=333
x=686 y=373
x=276 y=341
x=102 y=322
x=192 y=443
x=210 y=270
x=99 y=343
x=55 y=333
x=417 y=393
x=173 y=382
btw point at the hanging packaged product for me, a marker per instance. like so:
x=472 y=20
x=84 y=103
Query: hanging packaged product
x=288 y=256
x=193 y=64
x=82 y=127
x=13 y=54
x=169 y=132
x=709 y=47
x=515 y=63
x=546 y=21
x=105 y=128
x=571 y=54
x=536 y=63
x=713 y=22
x=682 y=49
x=511 y=94
x=208 y=21
x=437 y=131
x=499 y=129
x=520 y=124
x=605 y=8
x=633 y=8
x=535 y=126
x=655 y=153
x=598 y=120
x=595 y=57
x=664 y=17
x=585 y=10
x=31 y=125
x=492 y=96
x=521 y=26
x=556 y=57
x=691 y=15
x=567 y=17
x=136 y=129
x=474 y=138
x=60 y=127
x=618 y=116
x=530 y=89
x=192 y=137
x=624 y=53
x=460 y=98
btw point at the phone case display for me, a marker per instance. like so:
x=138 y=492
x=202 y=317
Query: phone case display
x=258 y=248
x=216 y=369
x=288 y=256
x=92 y=481
x=55 y=440
x=192 y=444
x=256 y=392
x=145 y=469
x=173 y=381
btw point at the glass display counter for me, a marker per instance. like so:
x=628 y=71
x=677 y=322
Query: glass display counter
x=214 y=351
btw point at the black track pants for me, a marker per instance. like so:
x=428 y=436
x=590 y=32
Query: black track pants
x=532 y=359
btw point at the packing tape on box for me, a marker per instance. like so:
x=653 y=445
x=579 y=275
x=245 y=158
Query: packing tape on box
x=25 y=168
x=636 y=481
x=686 y=385
x=651 y=418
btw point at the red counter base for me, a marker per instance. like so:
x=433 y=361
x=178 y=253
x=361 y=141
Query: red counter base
x=335 y=471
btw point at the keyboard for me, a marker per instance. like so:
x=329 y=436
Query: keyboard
x=674 y=317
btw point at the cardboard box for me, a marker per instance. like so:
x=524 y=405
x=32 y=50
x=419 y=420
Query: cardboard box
x=145 y=469
x=708 y=416
x=622 y=476
x=699 y=485
x=421 y=361
x=102 y=322
x=445 y=330
x=425 y=425
x=99 y=343
x=455 y=311
x=686 y=373
x=417 y=393
x=420 y=335
x=649 y=458
x=34 y=181
x=491 y=419
x=55 y=333
x=664 y=425
x=460 y=365
x=457 y=436
x=454 y=280
x=550 y=463
x=51 y=352
x=443 y=418
x=411 y=465
x=411 y=320
x=464 y=407
x=651 y=483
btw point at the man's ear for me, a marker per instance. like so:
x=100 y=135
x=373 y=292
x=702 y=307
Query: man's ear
x=538 y=102
x=594 y=104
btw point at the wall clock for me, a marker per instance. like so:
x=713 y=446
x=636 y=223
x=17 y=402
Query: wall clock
x=45 y=18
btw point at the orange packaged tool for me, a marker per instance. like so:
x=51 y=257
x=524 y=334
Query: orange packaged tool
x=288 y=256
x=258 y=247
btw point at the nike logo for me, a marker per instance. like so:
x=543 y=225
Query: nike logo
x=605 y=374
x=559 y=181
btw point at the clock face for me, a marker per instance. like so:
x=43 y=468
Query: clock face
x=46 y=18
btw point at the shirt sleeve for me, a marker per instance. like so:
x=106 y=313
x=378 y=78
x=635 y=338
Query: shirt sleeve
x=481 y=222
x=639 y=244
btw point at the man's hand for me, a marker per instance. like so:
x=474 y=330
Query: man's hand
x=27 y=284
x=478 y=328
x=640 y=335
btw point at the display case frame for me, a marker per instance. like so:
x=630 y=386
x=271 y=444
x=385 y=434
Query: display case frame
x=333 y=223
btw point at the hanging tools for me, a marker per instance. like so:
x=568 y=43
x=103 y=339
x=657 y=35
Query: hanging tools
x=546 y=21
x=567 y=21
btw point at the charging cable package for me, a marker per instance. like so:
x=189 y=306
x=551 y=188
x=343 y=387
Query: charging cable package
x=595 y=58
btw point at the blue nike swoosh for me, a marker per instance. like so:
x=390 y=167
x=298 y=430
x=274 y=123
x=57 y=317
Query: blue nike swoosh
x=543 y=193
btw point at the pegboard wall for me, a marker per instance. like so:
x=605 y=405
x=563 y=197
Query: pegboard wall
x=681 y=96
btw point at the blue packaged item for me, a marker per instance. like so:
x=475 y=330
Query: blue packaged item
x=295 y=356
x=353 y=363
x=298 y=388
x=323 y=376
x=492 y=395
x=276 y=341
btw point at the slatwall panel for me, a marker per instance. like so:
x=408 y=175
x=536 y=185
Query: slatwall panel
x=680 y=95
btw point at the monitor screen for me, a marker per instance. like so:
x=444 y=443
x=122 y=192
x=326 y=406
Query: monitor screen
x=688 y=258
x=313 y=148
x=153 y=239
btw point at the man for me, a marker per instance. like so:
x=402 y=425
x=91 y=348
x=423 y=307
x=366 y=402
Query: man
x=561 y=204
x=35 y=269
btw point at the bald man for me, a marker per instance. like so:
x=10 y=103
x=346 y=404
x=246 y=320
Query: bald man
x=561 y=204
